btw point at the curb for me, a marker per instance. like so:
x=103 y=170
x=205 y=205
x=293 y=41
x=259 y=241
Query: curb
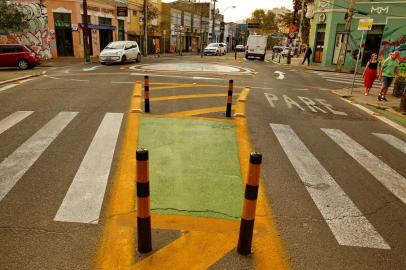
x=19 y=78
x=373 y=114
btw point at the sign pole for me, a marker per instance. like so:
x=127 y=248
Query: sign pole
x=359 y=55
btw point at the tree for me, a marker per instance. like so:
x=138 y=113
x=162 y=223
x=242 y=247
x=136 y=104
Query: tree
x=297 y=5
x=266 y=19
x=286 y=19
x=11 y=19
x=153 y=13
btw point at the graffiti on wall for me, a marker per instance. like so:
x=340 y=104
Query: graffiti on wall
x=36 y=35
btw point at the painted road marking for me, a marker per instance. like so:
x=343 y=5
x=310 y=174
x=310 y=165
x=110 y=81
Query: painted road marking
x=91 y=68
x=345 y=220
x=390 y=139
x=187 y=97
x=76 y=80
x=84 y=198
x=281 y=75
x=182 y=77
x=17 y=164
x=319 y=105
x=13 y=119
x=197 y=112
x=26 y=80
x=8 y=87
x=388 y=177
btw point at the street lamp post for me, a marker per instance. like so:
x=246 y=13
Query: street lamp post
x=85 y=32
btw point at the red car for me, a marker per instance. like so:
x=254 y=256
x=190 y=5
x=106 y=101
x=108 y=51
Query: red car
x=16 y=55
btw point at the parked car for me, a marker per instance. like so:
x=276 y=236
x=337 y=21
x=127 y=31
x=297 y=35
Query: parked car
x=240 y=48
x=277 y=49
x=214 y=49
x=17 y=55
x=256 y=46
x=285 y=51
x=120 y=52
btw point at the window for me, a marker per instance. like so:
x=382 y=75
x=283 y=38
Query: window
x=176 y=17
x=104 y=21
x=10 y=49
x=88 y=19
x=187 y=19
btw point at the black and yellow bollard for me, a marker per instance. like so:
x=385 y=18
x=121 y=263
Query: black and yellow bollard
x=250 y=204
x=143 y=203
x=146 y=93
x=229 y=98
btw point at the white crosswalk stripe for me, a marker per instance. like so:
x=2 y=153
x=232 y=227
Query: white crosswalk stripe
x=13 y=119
x=388 y=177
x=392 y=140
x=84 y=198
x=345 y=220
x=344 y=78
x=17 y=164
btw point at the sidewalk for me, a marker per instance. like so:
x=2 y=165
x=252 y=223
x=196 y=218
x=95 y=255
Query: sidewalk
x=388 y=109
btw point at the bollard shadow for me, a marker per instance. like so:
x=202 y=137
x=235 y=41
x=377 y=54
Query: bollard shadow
x=160 y=239
x=235 y=261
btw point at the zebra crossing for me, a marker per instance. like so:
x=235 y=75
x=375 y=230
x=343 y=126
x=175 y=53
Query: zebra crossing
x=344 y=78
x=84 y=197
x=345 y=220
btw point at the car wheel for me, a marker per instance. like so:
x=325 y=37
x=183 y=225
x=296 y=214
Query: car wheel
x=138 y=58
x=123 y=59
x=23 y=64
x=102 y=63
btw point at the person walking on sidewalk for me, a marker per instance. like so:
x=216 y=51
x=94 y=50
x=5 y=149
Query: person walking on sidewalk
x=370 y=73
x=387 y=72
x=308 y=52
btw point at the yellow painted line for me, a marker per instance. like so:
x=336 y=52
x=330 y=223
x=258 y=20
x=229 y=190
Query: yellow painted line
x=193 y=250
x=244 y=94
x=175 y=86
x=220 y=120
x=268 y=252
x=117 y=247
x=137 y=98
x=196 y=112
x=187 y=97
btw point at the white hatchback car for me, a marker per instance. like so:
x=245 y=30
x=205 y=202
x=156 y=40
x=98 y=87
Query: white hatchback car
x=214 y=49
x=120 y=52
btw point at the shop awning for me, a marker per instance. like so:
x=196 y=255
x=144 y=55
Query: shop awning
x=100 y=27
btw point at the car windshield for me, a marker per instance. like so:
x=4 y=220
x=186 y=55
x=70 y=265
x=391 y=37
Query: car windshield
x=115 y=45
x=213 y=45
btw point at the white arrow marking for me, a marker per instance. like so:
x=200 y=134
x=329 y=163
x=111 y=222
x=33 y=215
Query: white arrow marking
x=91 y=68
x=281 y=75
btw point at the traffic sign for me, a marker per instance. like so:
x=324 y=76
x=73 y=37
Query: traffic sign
x=253 y=25
x=122 y=11
x=365 y=24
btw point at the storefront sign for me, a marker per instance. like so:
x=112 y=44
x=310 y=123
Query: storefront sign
x=365 y=24
x=122 y=11
x=379 y=10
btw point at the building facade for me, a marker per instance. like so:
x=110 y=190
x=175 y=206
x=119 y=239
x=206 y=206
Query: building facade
x=388 y=32
x=135 y=24
x=55 y=27
x=185 y=25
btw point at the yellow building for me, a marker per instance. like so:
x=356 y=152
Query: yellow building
x=135 y=26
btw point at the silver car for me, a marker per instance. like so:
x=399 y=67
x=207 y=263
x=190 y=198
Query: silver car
x=120 y=52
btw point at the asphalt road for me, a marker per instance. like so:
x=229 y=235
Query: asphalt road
x=336 y=189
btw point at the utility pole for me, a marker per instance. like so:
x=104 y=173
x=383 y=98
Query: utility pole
x=301 y=22
x=145 y=27
x=85 y=32
x=347 y=28
x=214 y=21
x=201 y=32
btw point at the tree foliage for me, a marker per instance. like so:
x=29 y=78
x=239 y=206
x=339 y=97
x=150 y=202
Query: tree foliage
x=266 y=19
x=11 y=18
x=286 y=19
x=153 y=13
x=297 y=6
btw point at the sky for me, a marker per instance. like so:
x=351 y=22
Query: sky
x=244 y=8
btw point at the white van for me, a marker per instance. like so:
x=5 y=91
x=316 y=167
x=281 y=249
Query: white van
x=256 y=46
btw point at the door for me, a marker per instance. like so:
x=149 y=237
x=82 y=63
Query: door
x=372 y=42
x=106 y=35
x=129 y=50
x=63 y=34
x=318 y=51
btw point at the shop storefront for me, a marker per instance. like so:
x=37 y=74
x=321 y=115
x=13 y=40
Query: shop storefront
x=388 y=32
